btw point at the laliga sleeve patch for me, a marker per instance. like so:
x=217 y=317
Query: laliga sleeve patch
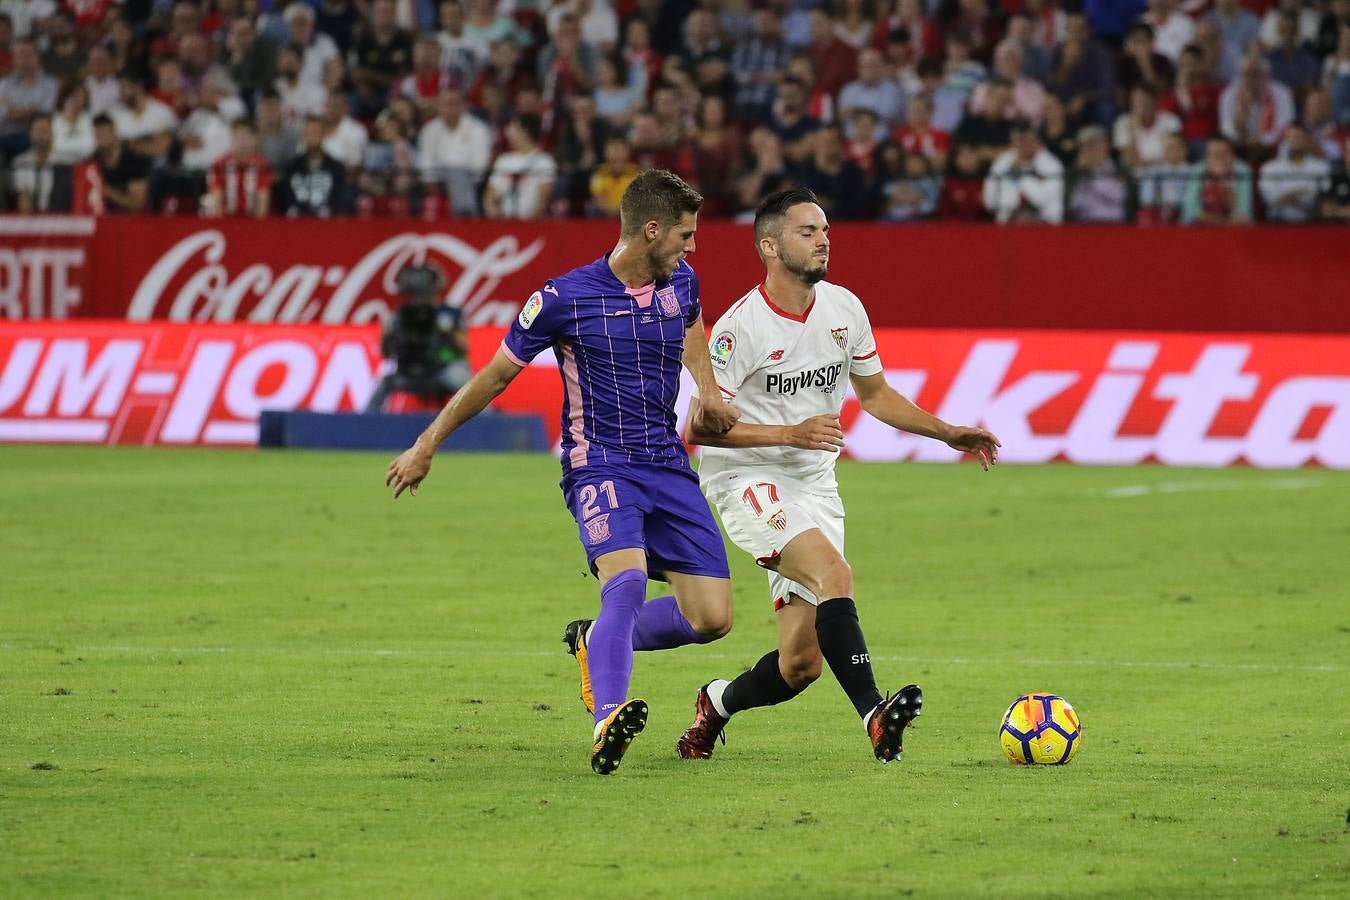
x=721 y=349
x=530 y=310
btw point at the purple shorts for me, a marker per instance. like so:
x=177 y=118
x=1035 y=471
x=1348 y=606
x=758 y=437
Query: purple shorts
x=659 y=509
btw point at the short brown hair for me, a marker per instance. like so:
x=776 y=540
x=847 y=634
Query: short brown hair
x=772 y=211
x=656 y=194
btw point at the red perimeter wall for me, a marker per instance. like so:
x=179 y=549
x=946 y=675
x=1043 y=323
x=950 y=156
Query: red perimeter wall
x=341 y=271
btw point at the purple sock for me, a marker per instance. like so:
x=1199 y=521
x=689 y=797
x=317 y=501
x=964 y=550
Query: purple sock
x=609 y=643
x=661 y=626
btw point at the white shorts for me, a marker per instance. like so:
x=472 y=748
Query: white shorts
x=764 y=514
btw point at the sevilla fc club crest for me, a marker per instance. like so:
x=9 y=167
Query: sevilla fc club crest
x=840 y=336
x=778 y=521
x=670 y=304
x=597 y=529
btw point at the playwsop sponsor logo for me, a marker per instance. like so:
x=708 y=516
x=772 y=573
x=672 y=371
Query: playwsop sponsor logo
x=825 y=378
x=530 y=310
x=721 y=348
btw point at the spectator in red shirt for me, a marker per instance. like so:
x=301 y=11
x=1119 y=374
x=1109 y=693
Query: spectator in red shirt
x=1195 y=97
x=919 y=136
x=973 y=18
x=6 y=44
x=423 y=85
x=863 y=133
x=1048 y=23
x=649 y=150
x=169 y=87
x=819 y=104
x=716 y=154
x=962 y=197
x=638 y=54
x=505 y=72
x=185 y=19
x=88 y=16
x=836 y=62
x=909 y=15
x=240 y=182
x=566 y=65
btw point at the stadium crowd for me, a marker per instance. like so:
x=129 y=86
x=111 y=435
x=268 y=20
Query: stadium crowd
x=1155 y=111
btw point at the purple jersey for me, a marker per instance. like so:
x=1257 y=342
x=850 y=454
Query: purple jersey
x=620 y=351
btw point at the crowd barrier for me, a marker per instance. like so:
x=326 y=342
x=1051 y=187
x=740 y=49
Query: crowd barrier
x=334 y=272
x=1096 y=397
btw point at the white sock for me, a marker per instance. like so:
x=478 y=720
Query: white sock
x=867 y=719
x=716 y=689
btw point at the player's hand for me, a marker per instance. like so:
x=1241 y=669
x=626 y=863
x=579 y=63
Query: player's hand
x=976 y=441
x=817 y=433
x=407 y=472
x=718 y=415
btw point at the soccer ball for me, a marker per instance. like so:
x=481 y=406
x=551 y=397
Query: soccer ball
x=1040 y=729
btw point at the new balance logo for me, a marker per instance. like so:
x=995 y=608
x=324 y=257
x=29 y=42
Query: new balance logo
x=775 y=356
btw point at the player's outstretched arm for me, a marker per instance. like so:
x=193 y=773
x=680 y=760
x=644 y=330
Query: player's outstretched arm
x=407 y=471
x=816 y=433
x=717 y=413
x=881 y=401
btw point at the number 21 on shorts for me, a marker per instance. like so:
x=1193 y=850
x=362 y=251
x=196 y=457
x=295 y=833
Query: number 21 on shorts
x=590 y=493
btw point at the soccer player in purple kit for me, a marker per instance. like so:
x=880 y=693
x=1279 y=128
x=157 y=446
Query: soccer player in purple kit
x=621 y=327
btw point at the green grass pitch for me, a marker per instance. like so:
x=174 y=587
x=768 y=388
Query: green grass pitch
x=244 y=673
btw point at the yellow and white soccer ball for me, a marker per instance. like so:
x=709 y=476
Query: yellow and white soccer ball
x=1040 y=729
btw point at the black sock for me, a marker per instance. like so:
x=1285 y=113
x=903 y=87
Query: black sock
x=843 y=646
x=760 y=685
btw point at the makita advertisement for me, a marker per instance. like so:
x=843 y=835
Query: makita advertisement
x=1086 y=397
x=335 y=272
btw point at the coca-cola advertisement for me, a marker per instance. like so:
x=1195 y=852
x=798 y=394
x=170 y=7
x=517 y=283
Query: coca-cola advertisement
x=292 y=271
x=1115 y=398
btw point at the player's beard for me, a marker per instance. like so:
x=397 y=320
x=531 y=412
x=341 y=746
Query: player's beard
x=809 y=269
x=662 y=266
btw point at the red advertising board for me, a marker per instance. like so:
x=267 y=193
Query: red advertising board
x=1086 y=397
x=121 y=383
x=333 y=272
x=47 y=267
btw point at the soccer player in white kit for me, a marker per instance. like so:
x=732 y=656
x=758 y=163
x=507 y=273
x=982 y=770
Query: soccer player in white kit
x=786 y=352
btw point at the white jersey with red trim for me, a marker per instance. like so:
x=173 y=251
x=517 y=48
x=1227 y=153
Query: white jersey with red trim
x=780 y=369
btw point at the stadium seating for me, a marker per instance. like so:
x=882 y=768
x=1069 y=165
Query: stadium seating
x=904 y=111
